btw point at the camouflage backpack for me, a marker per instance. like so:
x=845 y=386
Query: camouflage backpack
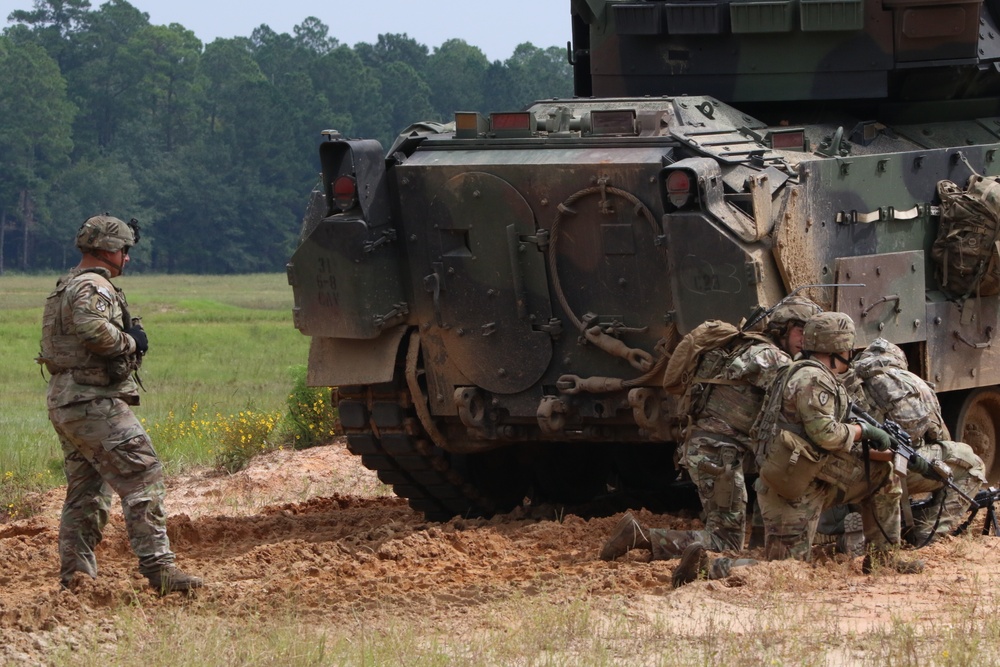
x=900 y=396
x=684 y=360
x=966 y=252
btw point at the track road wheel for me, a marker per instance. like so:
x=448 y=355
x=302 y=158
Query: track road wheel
x=977 y=423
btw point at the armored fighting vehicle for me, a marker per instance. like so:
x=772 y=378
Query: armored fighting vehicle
x=495 y=298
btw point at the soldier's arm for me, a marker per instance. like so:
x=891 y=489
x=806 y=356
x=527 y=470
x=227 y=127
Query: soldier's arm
x=92 y=308
x=816 y=404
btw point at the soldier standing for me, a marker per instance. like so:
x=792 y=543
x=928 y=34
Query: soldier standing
x=893 y=392
x=92 y=347
x=725 y=397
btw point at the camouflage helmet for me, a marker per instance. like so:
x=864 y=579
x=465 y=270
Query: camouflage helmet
x=828 y=332
x=790 y=310
x=880 y=353
x=105 y=232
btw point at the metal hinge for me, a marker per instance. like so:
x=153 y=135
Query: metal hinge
x=540 y=239
x=388 y=236
x=398 y=310
x=554 y=328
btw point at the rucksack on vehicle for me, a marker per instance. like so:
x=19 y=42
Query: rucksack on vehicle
x=966 y=252
x=684 y=360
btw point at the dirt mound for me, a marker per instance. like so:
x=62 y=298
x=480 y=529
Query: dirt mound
x=314 y=531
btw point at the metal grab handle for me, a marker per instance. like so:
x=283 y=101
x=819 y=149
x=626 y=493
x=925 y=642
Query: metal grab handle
x=432 y=283
x=884 y=299
x=514 y=249
x=977 y=346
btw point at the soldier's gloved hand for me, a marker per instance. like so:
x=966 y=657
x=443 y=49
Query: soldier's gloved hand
x=878 y=438
x=139 y=335
x=920 y=466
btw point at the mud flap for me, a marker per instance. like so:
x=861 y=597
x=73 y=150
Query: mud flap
x=335 y=362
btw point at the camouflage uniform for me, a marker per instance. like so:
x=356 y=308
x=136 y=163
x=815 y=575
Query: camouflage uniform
x=894 y=393
x=105 y=447
x=723 y=401
x=814 y=405
x=732 y=384
x=91 y=358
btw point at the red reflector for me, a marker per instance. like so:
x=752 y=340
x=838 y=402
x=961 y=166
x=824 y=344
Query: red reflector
x=678 y=182
x=788 y=140
x=679 y=188
x=345 y=191
x=511 y=121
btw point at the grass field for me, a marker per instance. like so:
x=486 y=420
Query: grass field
x=219 y=346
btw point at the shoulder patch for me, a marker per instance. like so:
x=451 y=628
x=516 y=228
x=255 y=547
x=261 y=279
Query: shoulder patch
x=104 y=292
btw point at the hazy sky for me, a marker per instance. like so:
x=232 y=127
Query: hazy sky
x=544 y=23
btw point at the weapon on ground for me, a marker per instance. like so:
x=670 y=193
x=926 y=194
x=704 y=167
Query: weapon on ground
x=984 y=499
x=903 y=447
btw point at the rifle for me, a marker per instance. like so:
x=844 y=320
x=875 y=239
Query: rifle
x=902 y=445
x=985 y=498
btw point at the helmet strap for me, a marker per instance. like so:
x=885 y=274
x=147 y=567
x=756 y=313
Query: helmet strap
x=838 y=357
x=99 y=256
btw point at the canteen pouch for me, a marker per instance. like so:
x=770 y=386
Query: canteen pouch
x=790 y=465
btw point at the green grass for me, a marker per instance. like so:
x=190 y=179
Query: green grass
x=551 y=631
x=223 y=343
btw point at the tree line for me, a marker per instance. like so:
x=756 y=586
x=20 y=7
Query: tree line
x=211 y=147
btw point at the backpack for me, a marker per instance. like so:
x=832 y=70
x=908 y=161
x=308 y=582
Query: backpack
x=684 y=360
x=966 y=252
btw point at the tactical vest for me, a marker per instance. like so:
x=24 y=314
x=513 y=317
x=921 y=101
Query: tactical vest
x=63 y=352
x=788 y=460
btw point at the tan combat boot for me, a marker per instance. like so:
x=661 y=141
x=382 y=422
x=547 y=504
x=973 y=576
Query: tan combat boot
x=169 y=578
x=852 y=541
x=695 y=563
x=628 y=535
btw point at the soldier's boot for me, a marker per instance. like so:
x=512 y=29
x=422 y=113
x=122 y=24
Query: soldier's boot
x=891 y=560
x=627 y=535
x=169 y=578
x=696 y=563
x=72 y=580
x=852 y=541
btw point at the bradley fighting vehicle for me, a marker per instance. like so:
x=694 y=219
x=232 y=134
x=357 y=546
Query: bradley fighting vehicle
x=495 y=299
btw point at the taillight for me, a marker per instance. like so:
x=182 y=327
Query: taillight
x=345 y=193
x=789 y=140
x=679 y=188
x=510 y=125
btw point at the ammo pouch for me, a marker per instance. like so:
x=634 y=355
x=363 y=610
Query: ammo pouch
x=790 y=464
x=842 y=469
x=105 y=373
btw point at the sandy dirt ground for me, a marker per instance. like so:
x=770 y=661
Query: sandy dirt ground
x=315 y=530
